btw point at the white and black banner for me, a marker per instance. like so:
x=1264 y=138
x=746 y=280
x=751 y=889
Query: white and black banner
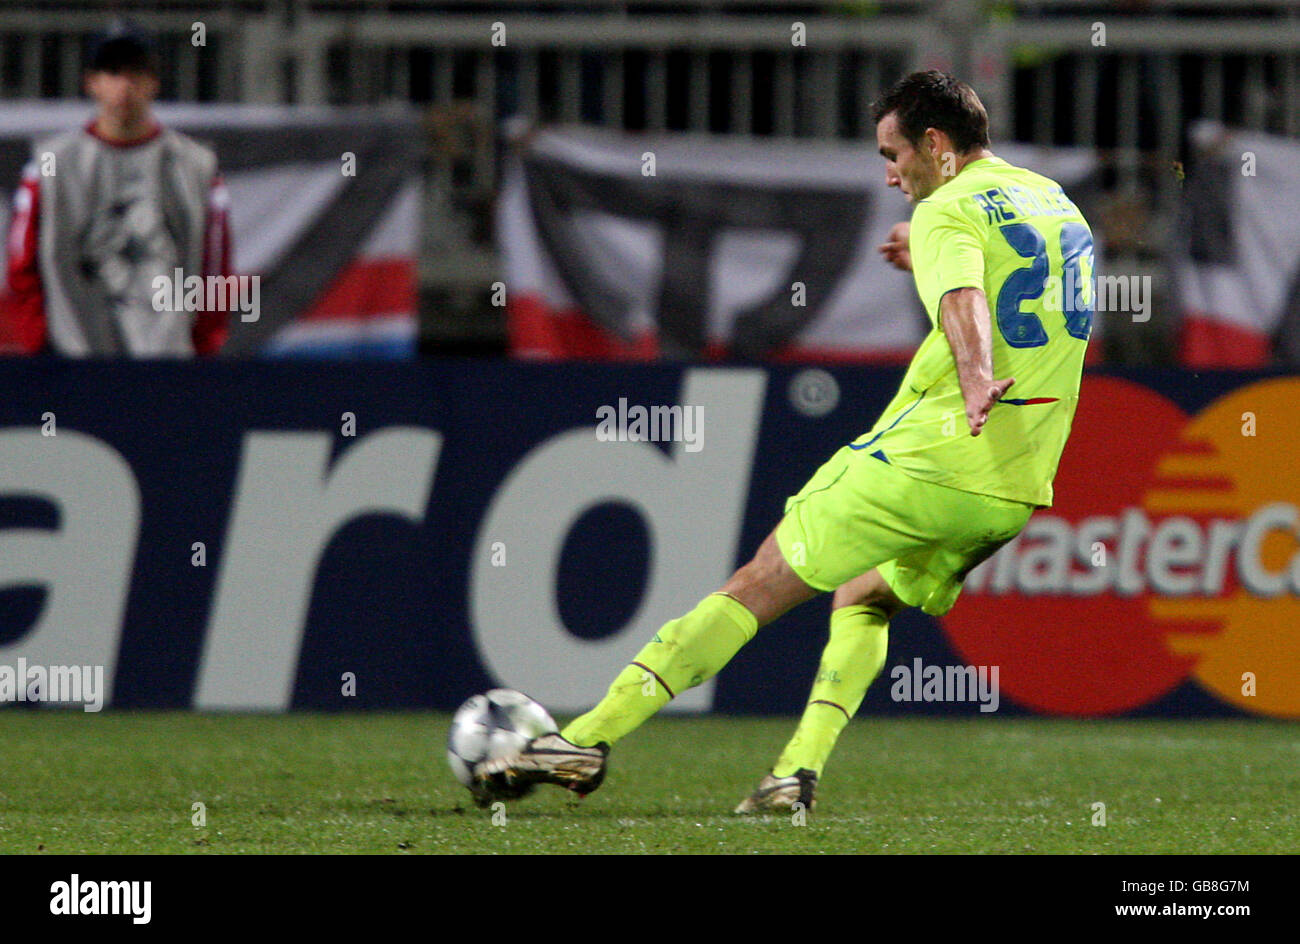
x=680 y=245
x=1238 y=258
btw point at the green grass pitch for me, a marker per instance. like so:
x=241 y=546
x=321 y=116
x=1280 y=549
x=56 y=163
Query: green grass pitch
x=126 y=783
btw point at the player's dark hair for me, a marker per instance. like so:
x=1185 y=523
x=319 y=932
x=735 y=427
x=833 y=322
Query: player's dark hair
x=936 y=100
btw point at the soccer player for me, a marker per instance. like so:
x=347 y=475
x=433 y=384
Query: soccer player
x=951 y=471
x=103 y=212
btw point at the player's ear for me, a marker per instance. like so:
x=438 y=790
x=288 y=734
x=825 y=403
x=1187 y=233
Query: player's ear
x=934 y=142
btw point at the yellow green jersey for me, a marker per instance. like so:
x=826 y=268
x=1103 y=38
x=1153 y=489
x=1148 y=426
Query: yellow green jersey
x=1018 y=237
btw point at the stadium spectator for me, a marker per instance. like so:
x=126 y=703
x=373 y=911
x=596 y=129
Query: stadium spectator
x=104 y=212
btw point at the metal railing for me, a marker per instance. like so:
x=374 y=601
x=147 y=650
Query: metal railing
x=1068 y=72
x=1041 y=67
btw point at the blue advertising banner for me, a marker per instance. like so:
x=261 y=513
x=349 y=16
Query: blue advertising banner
x=275 y=536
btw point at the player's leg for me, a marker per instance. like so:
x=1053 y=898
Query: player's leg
x=785 y=571
x=884 y=541
x=851 y=661
x=693 y=648
x=684 y=653
x=854 y=656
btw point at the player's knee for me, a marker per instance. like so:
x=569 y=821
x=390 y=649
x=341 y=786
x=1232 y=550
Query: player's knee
x=767 y=586
x=867 y=590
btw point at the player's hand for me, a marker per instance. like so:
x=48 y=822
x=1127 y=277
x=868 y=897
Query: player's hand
x=981 y=400
x=895 y=249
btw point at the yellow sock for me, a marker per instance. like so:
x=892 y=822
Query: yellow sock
x=850 y=662
x=684 y=653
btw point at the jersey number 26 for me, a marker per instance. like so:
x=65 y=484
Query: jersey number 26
x=1024 y=328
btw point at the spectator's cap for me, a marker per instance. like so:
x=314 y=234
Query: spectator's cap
x=123 y=47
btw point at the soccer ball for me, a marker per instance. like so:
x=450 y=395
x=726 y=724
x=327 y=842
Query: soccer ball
x=489 y=726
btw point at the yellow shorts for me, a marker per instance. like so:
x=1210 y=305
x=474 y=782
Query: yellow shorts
x=859 y=512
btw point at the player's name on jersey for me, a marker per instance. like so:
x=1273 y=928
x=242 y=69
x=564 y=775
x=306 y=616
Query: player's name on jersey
x=1010 y=202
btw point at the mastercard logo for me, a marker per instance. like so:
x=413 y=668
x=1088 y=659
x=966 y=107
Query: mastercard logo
x=1172 y=553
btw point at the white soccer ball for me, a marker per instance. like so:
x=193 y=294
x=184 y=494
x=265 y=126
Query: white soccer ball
x=493 y=725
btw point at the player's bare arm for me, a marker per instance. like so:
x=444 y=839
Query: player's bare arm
x=964 y=315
